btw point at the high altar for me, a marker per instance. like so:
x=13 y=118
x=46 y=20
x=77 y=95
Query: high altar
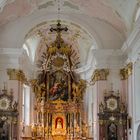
x=59 y=113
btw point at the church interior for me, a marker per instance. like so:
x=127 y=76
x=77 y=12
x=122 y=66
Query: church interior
x=69 y=69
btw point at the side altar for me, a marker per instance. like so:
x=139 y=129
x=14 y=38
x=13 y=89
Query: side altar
x=59 y=113
x=113 y=118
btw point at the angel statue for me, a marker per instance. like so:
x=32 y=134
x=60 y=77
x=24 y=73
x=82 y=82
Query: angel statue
x=15 y=106
x=101 y=107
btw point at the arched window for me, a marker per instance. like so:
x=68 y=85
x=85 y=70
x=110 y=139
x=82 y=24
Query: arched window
x=26 y=49
x=137 y=14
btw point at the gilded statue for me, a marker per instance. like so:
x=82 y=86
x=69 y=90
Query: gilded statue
x=101 y=107
x=15 y=105
x=39 y=90
x=122 y=108
x=75 y=89
x=78 y=89
x=59 y=124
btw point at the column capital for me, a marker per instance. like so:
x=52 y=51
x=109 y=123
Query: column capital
x=126 y=71
x=99 y=74
x=16 y=74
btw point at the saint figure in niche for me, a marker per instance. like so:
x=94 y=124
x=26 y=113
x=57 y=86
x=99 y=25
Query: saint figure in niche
x=59 y=123
x=112 y=132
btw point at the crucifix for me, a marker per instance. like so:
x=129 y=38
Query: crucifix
x=58 y=29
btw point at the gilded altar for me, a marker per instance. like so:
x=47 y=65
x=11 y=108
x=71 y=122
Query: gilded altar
x=59 y=94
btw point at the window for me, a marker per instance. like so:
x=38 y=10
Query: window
x=26 y=49
x=26 y=105
x=137 y=14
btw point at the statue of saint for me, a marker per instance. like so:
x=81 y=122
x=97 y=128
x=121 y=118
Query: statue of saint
x=59 y=123
x=101 y=107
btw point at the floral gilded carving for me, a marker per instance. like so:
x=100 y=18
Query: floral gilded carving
x=126 y=71
x=100 y=74
x=15 y=74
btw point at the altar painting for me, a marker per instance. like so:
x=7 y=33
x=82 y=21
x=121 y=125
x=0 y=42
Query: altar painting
x=58 y=88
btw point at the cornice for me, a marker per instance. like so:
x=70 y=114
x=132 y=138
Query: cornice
x=14 y=51
x=129 y=44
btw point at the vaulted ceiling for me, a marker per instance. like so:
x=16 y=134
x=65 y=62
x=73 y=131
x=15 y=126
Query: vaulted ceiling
x=109 y=22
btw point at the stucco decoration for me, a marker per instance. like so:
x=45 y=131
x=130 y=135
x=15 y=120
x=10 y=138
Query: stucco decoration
x=15 y=74
x=119 y=14
x=76 y=36
x=126 y=72
x=99 y=74
x=3 y=3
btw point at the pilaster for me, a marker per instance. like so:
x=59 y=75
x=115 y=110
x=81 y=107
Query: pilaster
x=126 y=75
x=16 y=80
x=99 y=81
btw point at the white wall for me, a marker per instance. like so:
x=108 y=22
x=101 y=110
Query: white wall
x=137 y=90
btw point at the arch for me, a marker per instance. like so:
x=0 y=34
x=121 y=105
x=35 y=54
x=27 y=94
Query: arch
x=72 y=26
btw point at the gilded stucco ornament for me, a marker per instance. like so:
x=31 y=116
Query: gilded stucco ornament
x=100 y=74
x=15 y=74
x=38 y=89
x=78 y=89
x=126 y=71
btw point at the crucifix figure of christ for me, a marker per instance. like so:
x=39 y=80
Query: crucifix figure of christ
x=58 y=29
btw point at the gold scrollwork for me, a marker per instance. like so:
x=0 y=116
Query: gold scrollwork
x=39 y=90
x=129 y=68
x=101 y=122
x=100 y=74
x=126 y=71
x=15 y=74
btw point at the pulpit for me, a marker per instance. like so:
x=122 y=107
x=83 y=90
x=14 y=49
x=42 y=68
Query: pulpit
x=112 y=118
